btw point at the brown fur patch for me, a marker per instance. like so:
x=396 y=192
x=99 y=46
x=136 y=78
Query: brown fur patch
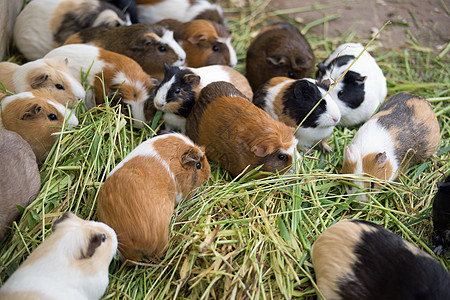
x=370 y=166
x=6 y=73
x=23 y=296
x=75 y=39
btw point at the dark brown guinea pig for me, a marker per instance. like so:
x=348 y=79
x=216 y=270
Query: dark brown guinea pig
x=278 y=50
x=441 y=217
x=237 y=134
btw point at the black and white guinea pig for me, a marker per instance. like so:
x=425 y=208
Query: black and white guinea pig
x=361 y=90
x=356 y=259
x=296 y=103
x=45 y=24
x=441 y=217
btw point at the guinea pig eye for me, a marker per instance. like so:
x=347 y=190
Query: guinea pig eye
x=215 y=48
x=291 y=75
x=341 y=93
x=103 y=238
x=162 y=49
x=52 y=117
x=177 y=91
x=198 y=166
x=59 y=86
x=372 y=185
x=282 y=157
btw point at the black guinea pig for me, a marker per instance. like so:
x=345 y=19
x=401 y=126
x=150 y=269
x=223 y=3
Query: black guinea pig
x=441 y=217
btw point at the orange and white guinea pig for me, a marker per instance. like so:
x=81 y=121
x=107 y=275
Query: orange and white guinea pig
x=138 y=198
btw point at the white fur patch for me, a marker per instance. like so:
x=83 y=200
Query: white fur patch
x=137 y=112
x=12 y=98
x=168 y=39
x=174 y=122
x=233 y=56
x=72 y=121
x=161 y=95
x=210 y=74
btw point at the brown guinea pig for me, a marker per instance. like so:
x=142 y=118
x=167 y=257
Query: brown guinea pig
x=138 y=198
x=237 y=134
x=278 y=50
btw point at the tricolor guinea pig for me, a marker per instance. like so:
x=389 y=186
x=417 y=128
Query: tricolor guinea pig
x=356 y=259
x=278 y=50
x=151 y=46
x=303 y=103
x=404 y=131
x=180 y=88
x=46 y=24
x=36 y=116
x=118 y=76
x=237 y=134
x=441 y=217
x=51 y=74
x=361 y=90
x=72 y=263
x=20 y=181
x=139 y=195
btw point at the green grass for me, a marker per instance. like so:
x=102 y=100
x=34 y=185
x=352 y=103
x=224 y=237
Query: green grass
x=239 y=238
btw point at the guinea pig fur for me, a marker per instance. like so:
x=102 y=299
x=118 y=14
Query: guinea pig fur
x=266 y=58
x=151 y=11
x=72 y=263
x=138 y=198
x=405 y=131
x=20 y=181
x=180 y=88
x=441 y=217
x=123 y=78
x=151 y=46
x=36 y=116
x=51 y=74
x=237 y=134
x=46 y=24
x=128 y=7
x=361 y=90
x=356 y=259
x=290 y=101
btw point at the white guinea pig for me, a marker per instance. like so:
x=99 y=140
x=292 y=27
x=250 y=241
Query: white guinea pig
x=72 y=263
x=363 y=87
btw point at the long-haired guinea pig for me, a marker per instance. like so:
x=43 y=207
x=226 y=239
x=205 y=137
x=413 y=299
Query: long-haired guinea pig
x=36 y=116
x=361 y=90
x=20 y=181
x=151 y=46
x=150 y=11
x=118 y=76
x=237 y=134
x=72 y=263
x=404 y=131
x=441 y=217
x=51 y=74
x=45 y=24
x=205 y=42
x=292 y=102
x=278 y=50
x=138 y=198
x=356 y=259
x=180 y=88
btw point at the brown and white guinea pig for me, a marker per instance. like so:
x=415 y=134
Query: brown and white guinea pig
x=356 y=259
x=51 y=74
x=151 y=46
x=303 y=103
x=361 y=90
x=205 y=42
x=152 y=11
x=180 y=88
x=237 y=134
x=118 y=76
x=36 y=116
x=139 y=195
x=441 y=217
x=404 y=131
x=20 y=181
x=45 y=24
x=72 y=263
x=278 y=50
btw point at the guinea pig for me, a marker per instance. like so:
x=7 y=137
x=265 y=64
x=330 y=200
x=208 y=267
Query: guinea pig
x=151 y=46
x=441 y=217
x=404 y=131
x=295 y=103
x=45 y=24
x=356 y=259
x=266 y=58
x=237 y=134
x=128 y=7
x=51 y=74
x=118 y=76
x=180 y=88
x=20 y=181
x=72 y=263
x=205 y=42
x=138 y=197
x=36 y=116
x=363 y=87
x=151 y=11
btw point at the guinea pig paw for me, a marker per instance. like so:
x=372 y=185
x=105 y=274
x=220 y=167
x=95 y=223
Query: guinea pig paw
x=438 y=250
x=325 y=147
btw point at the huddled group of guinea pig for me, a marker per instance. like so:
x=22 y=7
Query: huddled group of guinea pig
x=177 y=57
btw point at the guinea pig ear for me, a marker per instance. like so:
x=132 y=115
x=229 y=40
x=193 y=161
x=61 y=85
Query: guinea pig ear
x=31 y=112
x=190 y=155
x=94 y=242
x=192 y=79
x=261 y=150
x=304 y=89
x=38 y=81
x=351 y=154
x=65 y=216
x=196 y=39
x=277 y=61
x=356 y=77
x=153 y=81
x=380 y=158
x=322 y=68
